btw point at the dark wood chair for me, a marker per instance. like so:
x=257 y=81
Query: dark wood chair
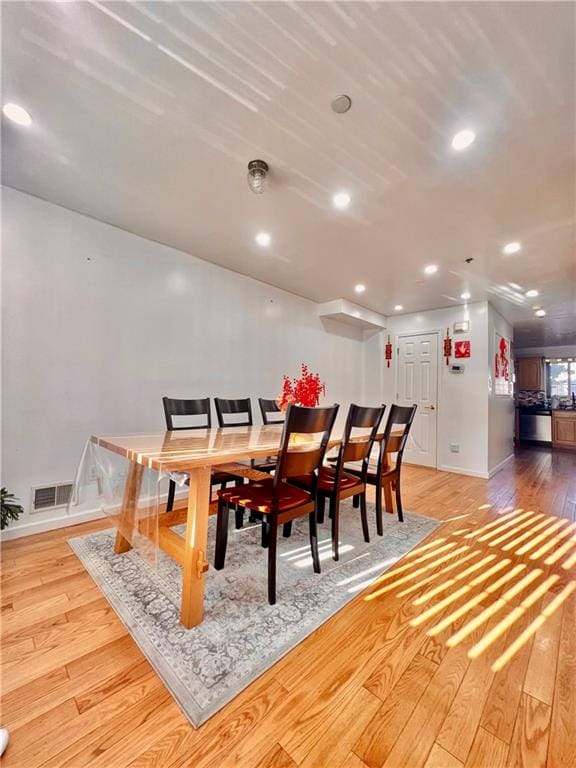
x=174 y=407
x=386 y=475
x=277 y=499
x=335 y=484
x=242 y=407
x=228 y=408
x=268 y=407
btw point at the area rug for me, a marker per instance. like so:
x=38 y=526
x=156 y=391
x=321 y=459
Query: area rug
x=242 y=635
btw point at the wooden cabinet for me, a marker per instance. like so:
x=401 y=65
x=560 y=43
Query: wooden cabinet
x=530 y=373
x=564 y=429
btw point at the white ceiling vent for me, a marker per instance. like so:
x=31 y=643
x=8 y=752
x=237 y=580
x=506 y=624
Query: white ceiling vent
x=51 y=496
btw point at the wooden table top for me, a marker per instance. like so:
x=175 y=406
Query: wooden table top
x=191 y=448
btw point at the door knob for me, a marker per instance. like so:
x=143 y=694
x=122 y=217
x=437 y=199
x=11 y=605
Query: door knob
x=430 y=407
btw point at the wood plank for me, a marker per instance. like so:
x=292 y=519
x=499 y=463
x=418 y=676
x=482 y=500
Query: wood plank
x=541 y=672
x=439 y=758
x=529 y=745
x=562 y=748
x=487 y=750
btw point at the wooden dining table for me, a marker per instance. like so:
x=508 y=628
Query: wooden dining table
x=195 y=452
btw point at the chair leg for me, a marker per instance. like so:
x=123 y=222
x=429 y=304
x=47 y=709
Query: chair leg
x=314 y=541
x=265 y=533
x=221 y=534
x=287 y=529
x=364 y=517
x=239 y=517
x=388 y=497
x=335 y=515
x=356 y=501
x=379 y=523
x=272 y=547
x=171 y=492
x=320 y=504
x=399 y=501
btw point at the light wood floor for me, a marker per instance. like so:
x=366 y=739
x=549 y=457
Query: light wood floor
x=463 y=655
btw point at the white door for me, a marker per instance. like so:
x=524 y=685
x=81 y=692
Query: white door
x=417 y=382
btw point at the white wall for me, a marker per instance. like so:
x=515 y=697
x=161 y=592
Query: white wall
x=100 y=323
x=500 y=409
x=462 y=398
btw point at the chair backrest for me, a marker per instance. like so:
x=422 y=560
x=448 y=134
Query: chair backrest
x=267 y=407
x=298 y=459
x=226 y=408
x=396 y=434
x=357 y=447
x=174 y=407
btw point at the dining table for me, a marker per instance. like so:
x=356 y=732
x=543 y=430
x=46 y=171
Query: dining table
x=192 y=453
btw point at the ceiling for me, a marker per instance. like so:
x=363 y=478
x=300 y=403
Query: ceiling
x=146 y=115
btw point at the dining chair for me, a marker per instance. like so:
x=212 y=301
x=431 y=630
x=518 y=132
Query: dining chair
x=226 y=410
x=335 y=483
x=174 y=407
x=386 y=475
x=268 y=407
x=277 y=499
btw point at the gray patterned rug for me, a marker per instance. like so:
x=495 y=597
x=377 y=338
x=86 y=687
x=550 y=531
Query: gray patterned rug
x=242 y=635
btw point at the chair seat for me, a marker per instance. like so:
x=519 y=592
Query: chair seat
x=258 y=496
x=371 y=475
x=327 y=478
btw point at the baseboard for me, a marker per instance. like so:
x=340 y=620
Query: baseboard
x=49 y=524
x=62 y=521
x=500 y=466
x=468 y=472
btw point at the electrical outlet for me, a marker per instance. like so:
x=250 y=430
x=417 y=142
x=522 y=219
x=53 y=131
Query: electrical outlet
x=455 y=447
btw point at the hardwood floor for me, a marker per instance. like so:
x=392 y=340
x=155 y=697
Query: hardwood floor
x=463 y=655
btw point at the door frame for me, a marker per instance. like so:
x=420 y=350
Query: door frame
x=422 y=332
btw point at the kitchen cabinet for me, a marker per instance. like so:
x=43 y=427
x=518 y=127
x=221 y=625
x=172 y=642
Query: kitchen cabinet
x=530 y=373
x=564 y=429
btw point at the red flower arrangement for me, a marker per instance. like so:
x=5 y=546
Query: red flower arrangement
x=303 y=391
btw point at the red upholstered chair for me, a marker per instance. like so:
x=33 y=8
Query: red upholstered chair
x=335 y=483
x=277 y=499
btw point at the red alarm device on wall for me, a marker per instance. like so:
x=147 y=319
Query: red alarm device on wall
x=462 y=349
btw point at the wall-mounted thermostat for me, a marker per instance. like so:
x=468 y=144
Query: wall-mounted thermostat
x=462 y=327
x=456 y=368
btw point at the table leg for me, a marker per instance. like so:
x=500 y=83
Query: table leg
x=195 y=555
x=129 y=506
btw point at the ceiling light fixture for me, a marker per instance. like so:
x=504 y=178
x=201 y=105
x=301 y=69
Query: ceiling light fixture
x=466 y=295
x=540 y=313
x=341 y=200
x=263 y=239
x=398 y=308
x=463 y=139
x=17 y=114
x=532 y=293
x=511 y=248
x=257 y=172
x=431 y=269
x=360 y=288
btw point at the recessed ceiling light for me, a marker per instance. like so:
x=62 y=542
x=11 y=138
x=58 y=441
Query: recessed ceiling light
x=17 y=114
x=398 y=308
x=510 y=248
x=463 y=139
x=359 y=288
x=540 y=313
x=341 y=104
x=431 y=269
x=263 y=239
x=532 y=293
x=341 y=200
x=466 y=295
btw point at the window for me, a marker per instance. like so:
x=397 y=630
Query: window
x=561 y=378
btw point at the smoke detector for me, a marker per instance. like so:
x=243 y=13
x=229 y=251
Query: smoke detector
x=341 y=104
x=257 y=172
